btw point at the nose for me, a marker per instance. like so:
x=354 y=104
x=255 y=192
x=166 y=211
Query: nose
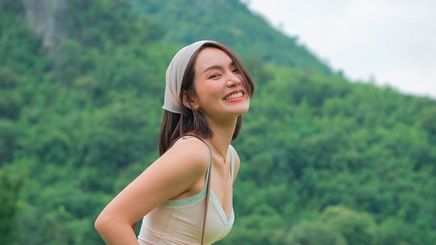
x=233 y=81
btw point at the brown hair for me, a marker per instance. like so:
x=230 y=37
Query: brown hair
x=175 y=125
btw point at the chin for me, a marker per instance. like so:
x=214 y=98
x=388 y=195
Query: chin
x=241 y=110
x=238 y=109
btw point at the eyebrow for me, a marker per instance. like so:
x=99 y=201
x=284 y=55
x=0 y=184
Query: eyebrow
x=218 y=67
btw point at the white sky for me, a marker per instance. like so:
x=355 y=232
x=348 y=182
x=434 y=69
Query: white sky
x=390 y=41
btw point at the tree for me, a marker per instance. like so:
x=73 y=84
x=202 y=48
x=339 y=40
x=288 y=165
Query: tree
x=314 y=233
x=10 y=186
x=356 y=227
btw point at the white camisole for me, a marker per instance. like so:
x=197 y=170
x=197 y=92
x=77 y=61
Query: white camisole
x=180 y=221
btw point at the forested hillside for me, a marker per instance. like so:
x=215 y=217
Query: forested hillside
x=323 y=160
x=229 y=22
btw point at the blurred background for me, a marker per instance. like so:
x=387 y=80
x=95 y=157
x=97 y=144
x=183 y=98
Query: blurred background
x=328 y=156
x=389 y=42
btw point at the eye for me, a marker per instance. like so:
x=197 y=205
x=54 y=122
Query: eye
x=214 y=75
x=236 y=71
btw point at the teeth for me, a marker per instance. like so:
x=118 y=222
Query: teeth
x=232 y=96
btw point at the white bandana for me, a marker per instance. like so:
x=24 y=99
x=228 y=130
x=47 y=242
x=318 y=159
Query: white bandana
x=174 y=75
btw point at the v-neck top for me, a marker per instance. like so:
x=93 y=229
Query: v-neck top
x=180 y=221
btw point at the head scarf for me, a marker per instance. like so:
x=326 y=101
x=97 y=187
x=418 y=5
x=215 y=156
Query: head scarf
x=174 y=75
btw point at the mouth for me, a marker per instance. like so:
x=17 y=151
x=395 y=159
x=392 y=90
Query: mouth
x=234 y=95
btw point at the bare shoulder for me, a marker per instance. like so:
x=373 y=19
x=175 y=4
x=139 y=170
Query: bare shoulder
x=183 y=163
x=191 y=151
x=237 y=160
x=173 y=173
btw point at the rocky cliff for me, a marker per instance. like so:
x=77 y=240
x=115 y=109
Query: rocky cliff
x=42 y=16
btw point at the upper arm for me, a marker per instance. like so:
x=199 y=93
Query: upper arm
x=174 y=172
x=237 y=164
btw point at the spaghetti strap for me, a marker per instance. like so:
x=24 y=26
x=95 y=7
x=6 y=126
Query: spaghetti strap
x=206 y=186
x=210 y=157
x=208 y=171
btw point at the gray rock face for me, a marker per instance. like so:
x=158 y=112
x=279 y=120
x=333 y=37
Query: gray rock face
x=42 y=16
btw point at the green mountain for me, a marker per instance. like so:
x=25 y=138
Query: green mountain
x=323 y=160
x=229 y=22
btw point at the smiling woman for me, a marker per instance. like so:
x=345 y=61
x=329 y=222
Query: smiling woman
x=218 y=90
x=186 y=195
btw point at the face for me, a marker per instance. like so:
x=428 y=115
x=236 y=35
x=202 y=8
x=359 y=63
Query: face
x=219 y=86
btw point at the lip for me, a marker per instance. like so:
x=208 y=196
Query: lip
x=234 y=92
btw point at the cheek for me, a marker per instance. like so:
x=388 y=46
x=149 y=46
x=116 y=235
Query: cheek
x=209 y=89
x=243 y=81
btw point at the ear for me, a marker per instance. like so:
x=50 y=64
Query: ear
x=190 y=101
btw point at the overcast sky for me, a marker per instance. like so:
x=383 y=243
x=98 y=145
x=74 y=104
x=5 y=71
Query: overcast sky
x=392 y=41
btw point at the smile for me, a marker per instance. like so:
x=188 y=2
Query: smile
x=234 y=96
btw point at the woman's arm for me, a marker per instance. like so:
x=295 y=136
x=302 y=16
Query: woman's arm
x=176 y=171
x=237 y=165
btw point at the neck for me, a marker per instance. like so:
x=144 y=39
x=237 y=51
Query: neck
x=222 y=134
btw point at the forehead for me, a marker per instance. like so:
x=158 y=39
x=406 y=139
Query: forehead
x=212 y=57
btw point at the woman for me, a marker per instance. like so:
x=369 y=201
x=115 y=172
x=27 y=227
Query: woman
x=185 y=196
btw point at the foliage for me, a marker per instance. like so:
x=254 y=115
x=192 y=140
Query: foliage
x=232 y=23
x=314 y=233
x=10 y=185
